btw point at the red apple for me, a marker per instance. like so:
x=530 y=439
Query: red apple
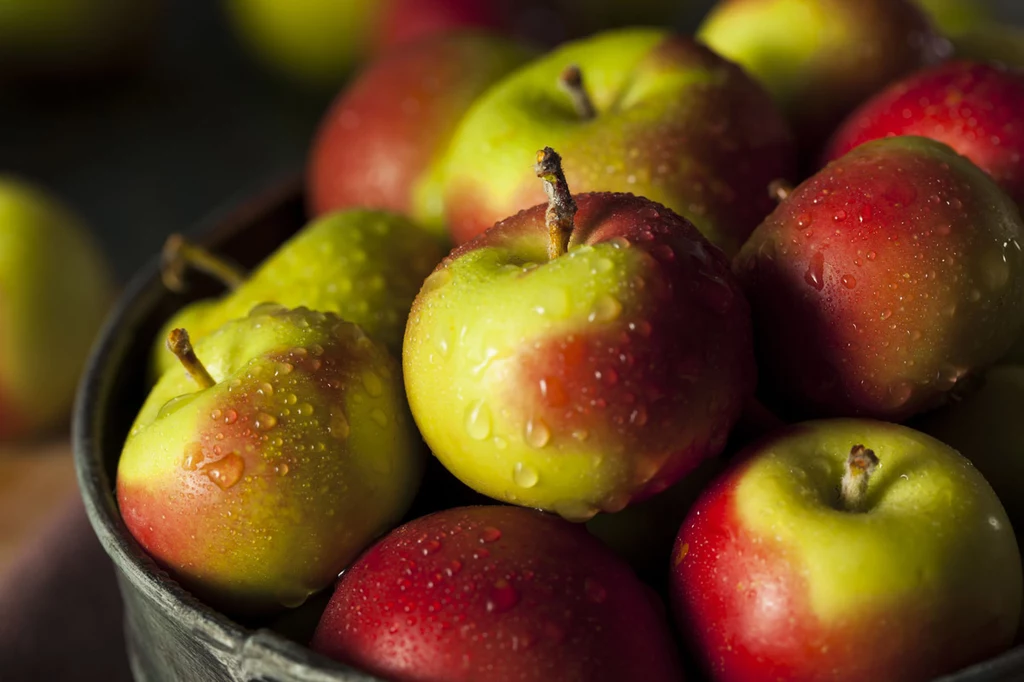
x=977 y=109
x=500 y=594
x=380 y=144
x=847 y=551
x=406 y=21
x=884 y=281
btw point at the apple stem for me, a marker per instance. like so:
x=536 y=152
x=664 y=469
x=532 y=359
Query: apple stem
x=179 y=344
x=179 y=253
x=860 y=465
x=571 y=82
x=561 y=206
x=780 y=190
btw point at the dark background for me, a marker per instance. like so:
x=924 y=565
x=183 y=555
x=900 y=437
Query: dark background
x=197 y=126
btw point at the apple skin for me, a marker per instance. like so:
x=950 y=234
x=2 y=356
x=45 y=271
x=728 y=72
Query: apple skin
x=409 y=21
x=977 y=109
x=1000 y=43
x=496 y=593
x=67 y=39
x=772 y=581
x=821 y=58
x=258 y=491
x=675 y=123
x=382 y=143
x=985 y=427
x=883 y=281
x=55 y=289
x=587 y=382
x=363 y=265
x=955 y=17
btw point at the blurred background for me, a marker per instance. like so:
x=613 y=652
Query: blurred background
x=143 y=116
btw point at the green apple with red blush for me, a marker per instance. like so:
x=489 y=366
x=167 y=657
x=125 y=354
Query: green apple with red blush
x=382 y=143
x=884 y=282
x=263 y=465
x=635 y=110
x=580 y=355
x=821 y=58
x=847 y=550
x=500 y=594
x=363 y=265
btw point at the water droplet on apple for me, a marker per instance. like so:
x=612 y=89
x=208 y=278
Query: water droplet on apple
x=501 y=597
x=815 y=274
x=435 y=281
x=603 y=265
x=490 y=534
x=193 y=457
x=281 y=469
x=619 y=242
x=372 y=383
x=537 y=433
x=994 y=522
x=304 y=410
x=478 y=420
x=524 y=475
x=291 y=399
x=230 y=417
x=225 y=472
x=265 y=422
x=378 y=416
x=849 y=281
x=575 y=510
x=606 y=309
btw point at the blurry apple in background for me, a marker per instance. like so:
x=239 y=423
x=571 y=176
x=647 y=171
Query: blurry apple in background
x=383 y=142
x=995 y=42
x=821 y=58
x=846 y=550
x=884 y=281
x=985 y=426
x=406 y=21
x=578 y=362
x=70 y=38
x=954 y=17
x=635 y=110
x=55 y=288
x=977 y=109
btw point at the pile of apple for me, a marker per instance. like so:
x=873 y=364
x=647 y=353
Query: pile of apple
x=646 y=325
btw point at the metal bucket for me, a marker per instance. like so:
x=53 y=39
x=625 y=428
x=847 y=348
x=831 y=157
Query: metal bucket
x=171 y=636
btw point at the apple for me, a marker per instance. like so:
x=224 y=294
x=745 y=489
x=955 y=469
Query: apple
x=499 y=594
x=55 y=289
x=984 y=425
x=847 y=550
x=382 y=143
x=999 y=43
x=638 y=110
x=579 y=356
x=977 y=109
x=955 y=17
x=263 y=465
x=72 y=38
x=408 y=21
x=884 y=281
x=821 y=58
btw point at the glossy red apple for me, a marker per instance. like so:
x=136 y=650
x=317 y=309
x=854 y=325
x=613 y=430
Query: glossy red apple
x=977 y=109
x=500 y=594
x=884 y=281
x=381 y=143
x=847 y=551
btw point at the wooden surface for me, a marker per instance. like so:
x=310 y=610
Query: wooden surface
x=35 y=480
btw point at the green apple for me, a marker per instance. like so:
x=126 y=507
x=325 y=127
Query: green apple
x=314 y=42
x=847 y=550
x=55 y=288
x=993 y=43
x=364 y=265
x=579 y=378
x=639 y=110
x=821 y=58
x=954 y=17
x=57 y=37
x=984 y=425
x=255 y=478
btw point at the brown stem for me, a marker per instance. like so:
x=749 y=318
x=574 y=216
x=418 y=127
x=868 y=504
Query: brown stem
x=571 y=82
x=780 y=190
x=179 y=254
x=179 y=344
x=860 y=465
x=561 y=206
